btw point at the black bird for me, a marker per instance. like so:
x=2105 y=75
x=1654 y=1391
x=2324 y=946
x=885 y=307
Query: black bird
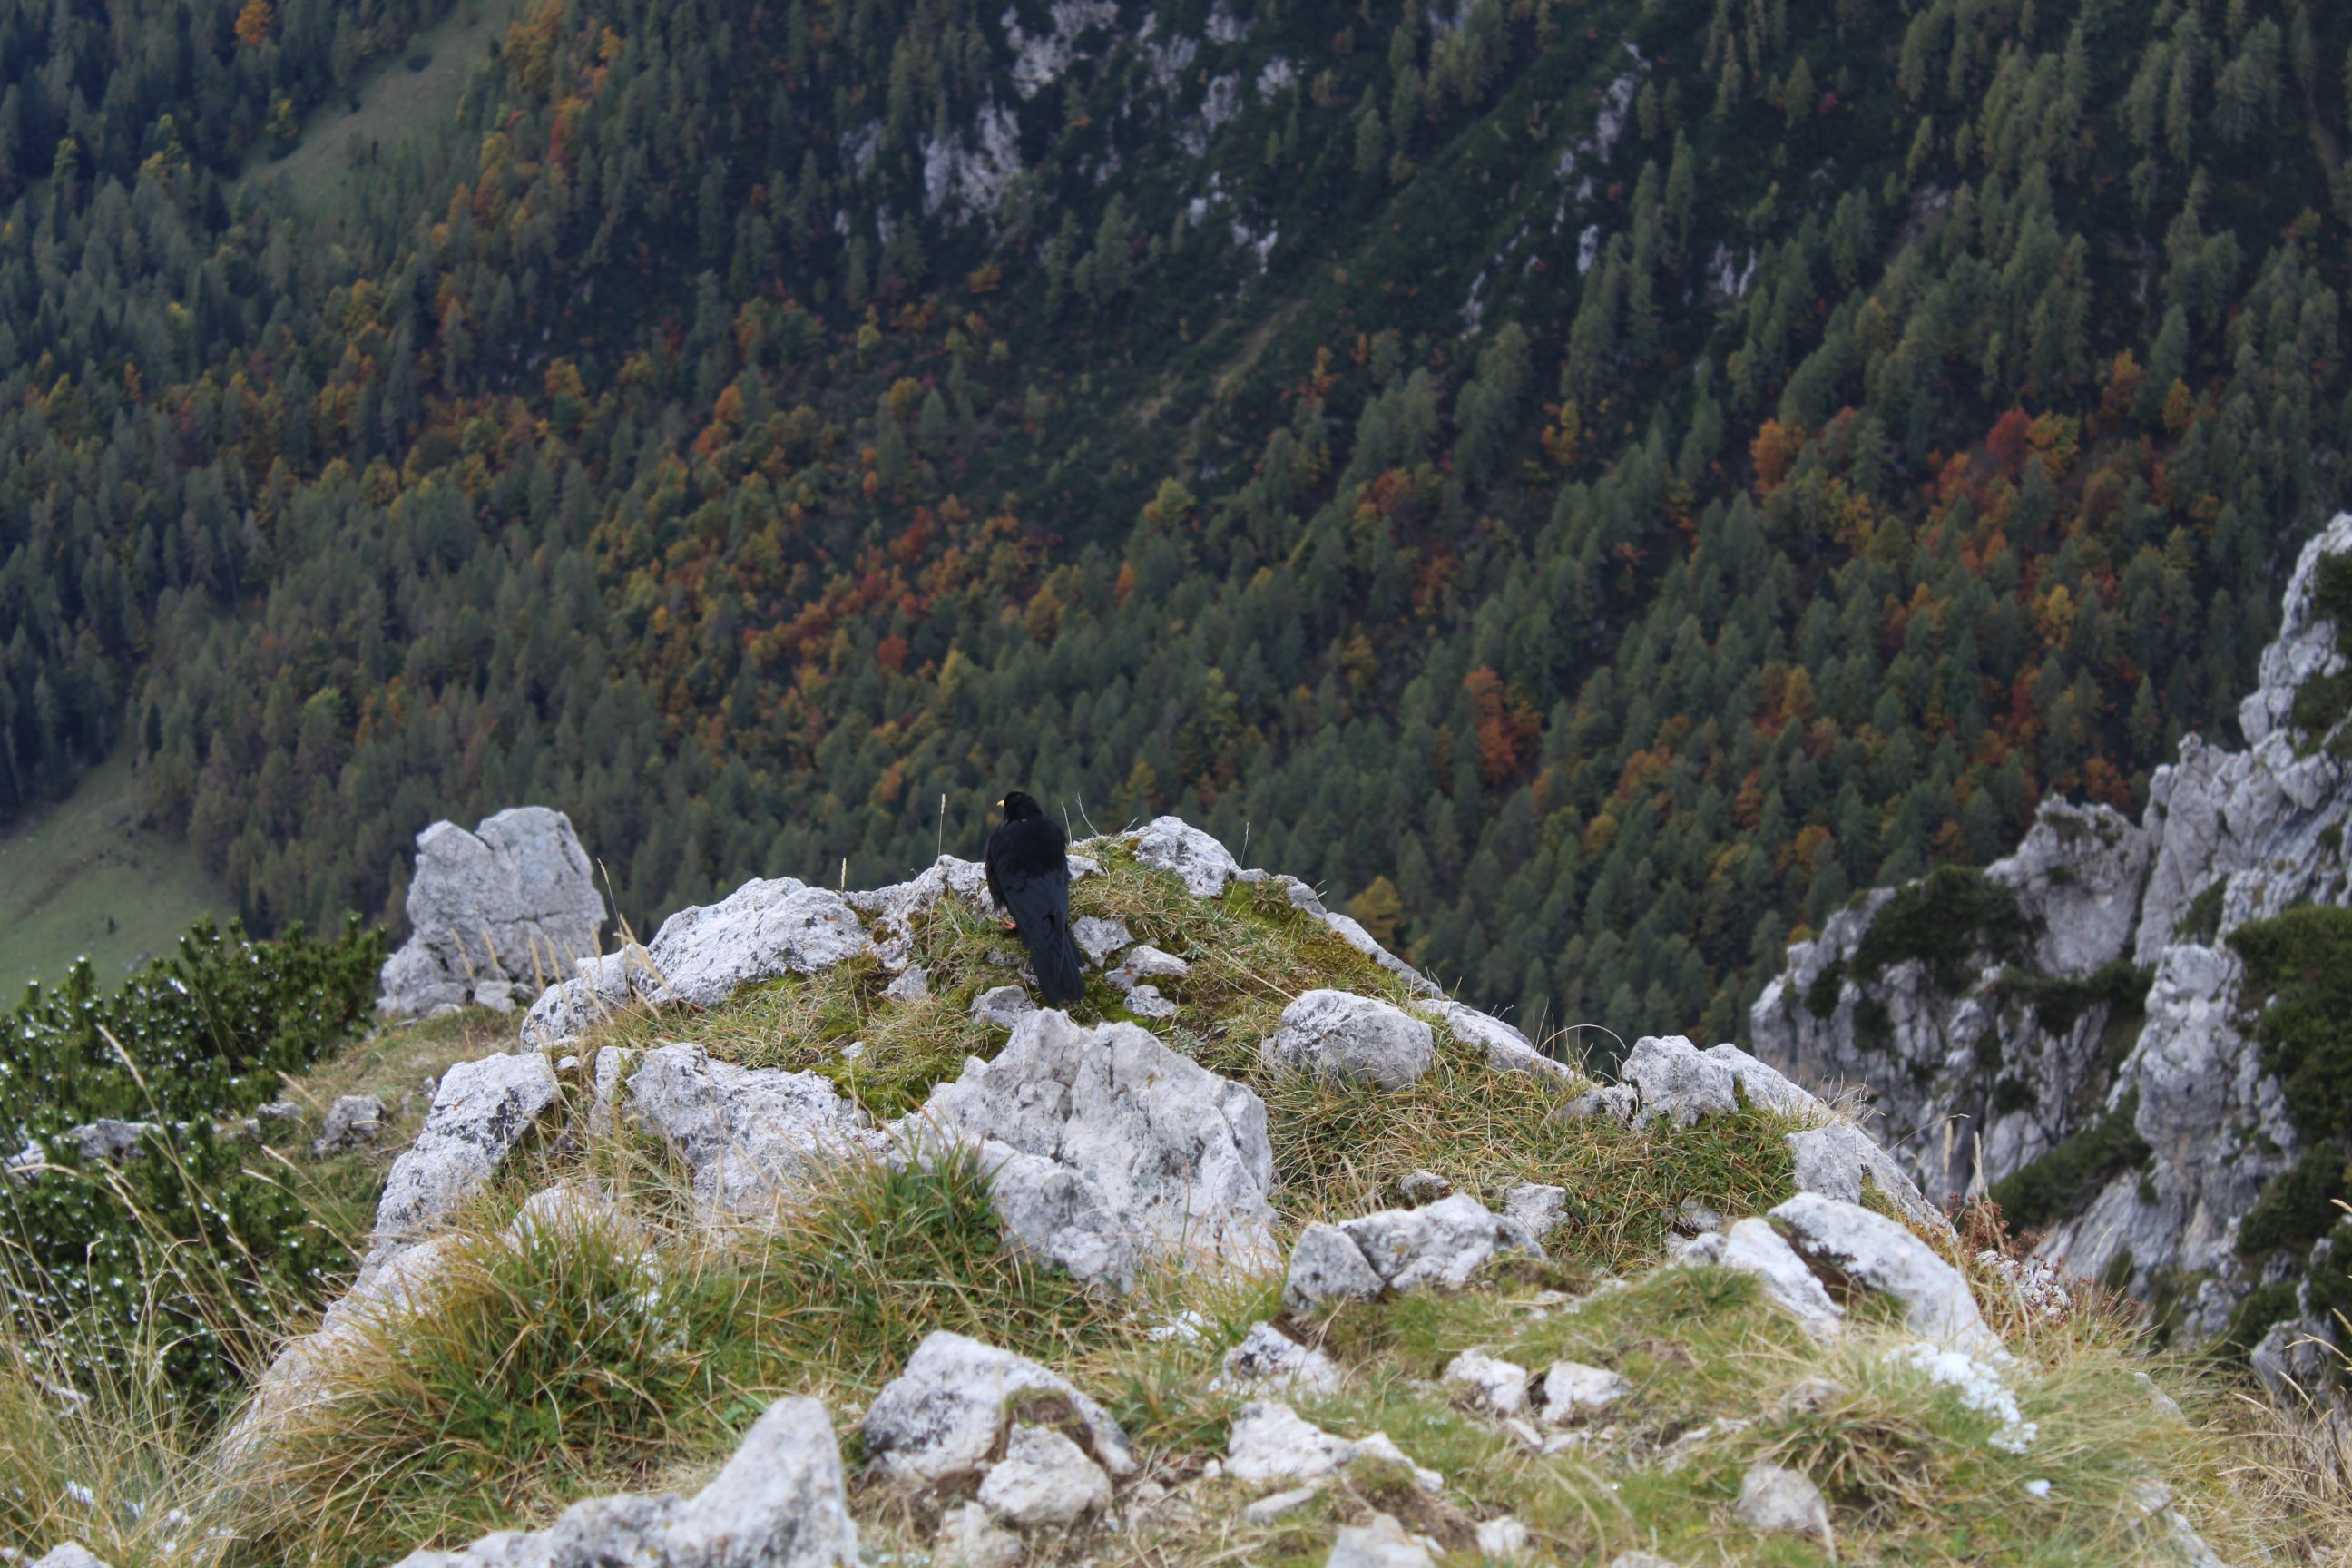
x=1028 y=863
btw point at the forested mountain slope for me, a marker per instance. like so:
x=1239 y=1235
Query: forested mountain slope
x=1611 y=479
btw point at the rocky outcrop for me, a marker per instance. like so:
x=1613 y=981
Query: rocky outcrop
x=2083 y=995
x=353 y=1122
x=482 y=1110
x=1441 y=1245
x=749 y=1136
x=1344 y=1038
x=780 y=1502
x=1107 y=1149
x=494 y=914
x=702 y=955
x=948 y=1413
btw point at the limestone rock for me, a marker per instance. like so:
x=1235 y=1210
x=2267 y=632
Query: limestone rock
x=1348 y=930
x=1381 y=1543
x=1098 y=937
x=599 y=988
x=1572 y=1391
x=703 y=954
x=780 y=1503
x=1342 y=1038
x=1874 y=1253
x=107 y=1142
x=1108 y=1148
x=2295 y=1358
x=945 y=1414
x=481 y=1110
x=1145 y=963
x=911 y=987
x=1502 y=1538
x=1272 y=1444
x=1490 y=1383
x=1772 y=1499
x=1267 y=1355
x=749 y=1136
x=1507 y=1050
x=1043 y=1479
x=1840 y=1161
x=70 y=1555
x=1439 y=1245
x=1171 y=844
x=1541 y=1208
x=1753 y=1246
x=1327 y=1266
x=894 y=909
x=1419 y=1188
x=353 y=1122
x=507 y=907
x=1146 y=1002
x=1002 y=1006
x=969 y=1537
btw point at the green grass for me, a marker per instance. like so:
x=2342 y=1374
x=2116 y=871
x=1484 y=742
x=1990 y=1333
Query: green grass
x=319 y=167
x=87 y=877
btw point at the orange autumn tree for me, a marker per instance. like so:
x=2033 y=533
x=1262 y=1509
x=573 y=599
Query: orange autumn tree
x=253 y=24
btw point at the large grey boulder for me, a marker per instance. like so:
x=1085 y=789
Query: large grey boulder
x=766 y=927
x=780 y=1502
x=893 y=910
x=1438 y=1246
x=481 y=1110
x=1109 y=1149
x=1871 y=1252
x=1341 y=1038
x=947 y=1414
x=751 y=1135
x=1841 y=1161
x=494 y=915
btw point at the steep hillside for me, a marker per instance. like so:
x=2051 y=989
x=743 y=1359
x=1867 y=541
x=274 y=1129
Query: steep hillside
x=2132 y=1035
x=802 y=1225
x=1595 y=484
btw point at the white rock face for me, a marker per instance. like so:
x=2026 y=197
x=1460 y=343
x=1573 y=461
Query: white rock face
x=945 y=1414
x=780 y=1503
x=703 y=954
x=482 y=1110
x=895 y=909
x=1874 y=1253
x=567 y=1010
x=1507 y=1050
x=1772 y=1499
x=2251 y=834
x=353 y=1122
x=1381 y=1543
x=1171 y=844
x=1348 y=930
x=1043 y=1479
x=1842 y=1161
x=750 y=1136
x=1502 y=1538
x=1439 y=1245
x=1490 y=1383
x=1108 y=1148
x=1342 y=1038
x=1753 y=1246
x=1267 y=1355
x=495 y=914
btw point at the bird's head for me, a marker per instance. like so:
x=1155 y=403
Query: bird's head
x=1016 y=807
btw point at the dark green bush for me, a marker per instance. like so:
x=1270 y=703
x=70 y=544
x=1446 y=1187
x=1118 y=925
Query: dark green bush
x=2064 y=1180
x=183 y=1245
x=2299 y=973
x=1950 y=918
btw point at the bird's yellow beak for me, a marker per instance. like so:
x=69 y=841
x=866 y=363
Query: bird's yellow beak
x=1000 y=805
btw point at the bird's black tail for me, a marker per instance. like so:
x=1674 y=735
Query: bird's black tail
x=1061 y=973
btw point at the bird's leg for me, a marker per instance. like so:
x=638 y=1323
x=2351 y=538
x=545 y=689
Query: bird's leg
x=1012 y=925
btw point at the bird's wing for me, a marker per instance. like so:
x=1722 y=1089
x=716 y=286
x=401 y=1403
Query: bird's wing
x=1037 y=898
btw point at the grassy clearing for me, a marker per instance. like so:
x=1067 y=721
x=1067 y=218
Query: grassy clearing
x=340 y=136
x=87 y=876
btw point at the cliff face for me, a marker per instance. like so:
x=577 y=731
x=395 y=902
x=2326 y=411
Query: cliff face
x=2070 y=1026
